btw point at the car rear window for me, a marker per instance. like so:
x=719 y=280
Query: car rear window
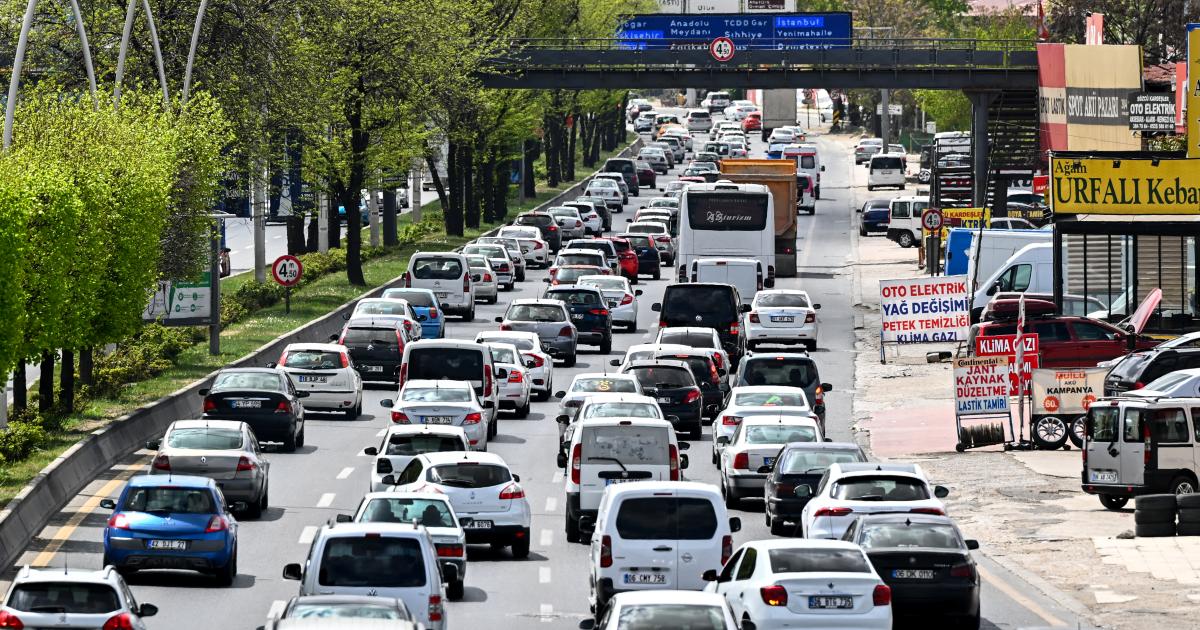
x=801 y=462
x=639 y=241
x=700 y=366
x=579 y=258
x=436 y=394
x=808 y=161
x=574 y=297
x=503 y=355
x=784 y=434
x=682 y=338
x=173 y=500
x=876 y=214
x=770 y=399
x=469 y=475
x=313 y=359
x=437 y=268
x=535 y=219
x=663 y=376
x=535 y=313
x=689 y=616
x=376 y=561
x=414 y=298
x=248 y=380
x=631 y=444
x=606 y=283
x=619 y=166
x=520 y=342
x=622 y=410
x=666 y=518
x=385 y=337
x=604 y=385
x=927 y=535
x=427 y=512
x=684 y=304
x=818 y=561
x=783 y=299
x=452 y=364
x=568 y=275
x=380 y=308
x=417 y=444
x=1131 y=366
x=79 y=598
x=205 y=438
x=344 y=610
x=647 y=229
x=880 y=488
x=780 y=371
x=887 y=162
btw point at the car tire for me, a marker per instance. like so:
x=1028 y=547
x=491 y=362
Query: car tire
x=633 y=279
x=1150 y=517
x=810 y=346
x=520 y=276
x=862 y=231
x=778 y=527
x=523 y=411
x=492 y=300
x=657 y=274
x=570 y=360
x=632 y=326
x=352 y=413
x=870 y=187
x=255 y=508
x=697 y=432
x=300 y=437
x=606 y=345
x=228 y=573
x=571 y=527
x=906 y=240
x=732 y=499
x=520 y=546
x=1113 y=503
x=716 y=459
x=470 y=315
x=1049 y=433
x=289 y=442
x=454 y=590
x=1154 y=530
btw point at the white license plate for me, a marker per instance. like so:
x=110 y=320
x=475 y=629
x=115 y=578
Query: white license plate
x=168 y=545
x=612 y=304
x=913 y=574
x=1103 y=476
x=438 y=419
x=247 y=404
x=373 y=368
x=768 y=461
x=785 y=319
x=442 y=295
x=576 y=315
x=314 y=379
x=645 y=578
x=830 y=601
x=478 y=525
x=609 y=482
x=664 y=399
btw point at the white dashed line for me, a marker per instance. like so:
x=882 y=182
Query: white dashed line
x=276 y=609
x=547 y=613
x=346 y=472
x=544 y=575
x=558 y=477
x=547 y=538
x=277 y=236
x=551 y=504
x=326 y=500
x=381 y=432
x=306 y=536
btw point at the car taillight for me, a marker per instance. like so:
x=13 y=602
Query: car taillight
x=734 y=329
x=692 y=396
x=505 y=326
x=965 y=571
x=283 y=407
x=719 y=361
x=1146 y=439
x=515 y=376
x=566 y=331
x=435 y=608
x=487 y=384
x=605 y=552
x=810 y=318
x=406 y=279
x=120 y=621
x=713 y=375
x=819 y=396
x=663 y=239
x=512 y=491
x=730 y=421
x=759 y=283
x=11 y=621
x=578 y=223
x=450 y=551
x=785 y=489
x=882 y=595
x=1138 y=385
x=216 y=524
x=673 y=456
x=345 y=357
x=628 y=299
x=928 y=510
x=552 y=228
x=210 y=404
x=841 y=511
x=538 y=245
x=473 y=418
x=383 y=465
x=774 y=595
x=487 y=277
x=403 y=373
x=116 y=521
x=244 y=464
x=576 y=460
x=162 y=462
x=754 y=316
x=537 y=361
x=283 y=359
x=399 y=417
x=433 y=314
x=741 y=461
x=598 y=311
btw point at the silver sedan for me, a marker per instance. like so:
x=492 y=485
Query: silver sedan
x=620 y=298
x=223 y=450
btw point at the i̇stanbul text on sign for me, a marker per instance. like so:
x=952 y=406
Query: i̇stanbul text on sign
x=925 y=310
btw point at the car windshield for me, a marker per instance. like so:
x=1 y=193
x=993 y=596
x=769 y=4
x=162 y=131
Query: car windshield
x=602 y=183
x=205 y=438
x=926 y=535
x=663 y=377
x=437 y=268
x=782 y=299
x=248 y=380
x=605 y=283
x=622 y=410
x=780 y=371
x=604 y=384
x=415 y=298
x=344 y=611
x=380 y=308
x=173 y=500
x=503 y=355
x=80 y=598
x=565 y=212
x=801 y=560
x=436 y=394
x=769 y=399
x=469 y=475
x=372 y=561
x=427 y=512
x=880 y=488
x=682 y=616
x=371 y=336
x=666 y=518
x=567 y=275
x=536 y=313
x=801 y=462
x=452 y=364
x=575 y=297
x=779 y=434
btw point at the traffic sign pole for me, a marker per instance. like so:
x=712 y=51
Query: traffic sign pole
x=287 y=271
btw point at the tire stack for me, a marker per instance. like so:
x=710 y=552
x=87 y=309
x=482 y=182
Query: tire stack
x=1154 y=515
x=1189 y=514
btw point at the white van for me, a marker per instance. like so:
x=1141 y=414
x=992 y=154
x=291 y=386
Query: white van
x=448 y=275
x=456 y=360
x=886 y=169
x=1030 y=270
x=658 y=535
x=607 y=451
x=808 y=160
x=996 y=247
x=744 y=273
x=904 y=226
x=384 y=559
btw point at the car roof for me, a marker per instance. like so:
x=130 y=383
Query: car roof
x=375 y=321
x=572 y=288
x=648 y=363
x=652 y=487
x=908 y=517
x=255 y=370
x=694 y=598
x=803 y=543
x=536 y=301
x=435 y=254
x=823 y=446
x=200 y=423
x=30 y=574
x=619 y=375
x=416 y=289
x=455 y=457
x=608 y=397
x=413 y=429
x=183 y=481
x=508 y=334
x=854 y=469
x=670 y=348
x=601 y=276
x=435 y=384
x=637 y=347
x=769 y=389
x=764 y=356
x=782 y=418
x=612 y=421
x=428 y=496
x=445 y=343
x=691 y=330
x=405 y=530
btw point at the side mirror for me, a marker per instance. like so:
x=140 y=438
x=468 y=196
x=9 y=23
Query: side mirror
x=346 y=316
x=614 y=362
x=561 y=460
x=673 y=419
x=388 y=480
x=828 y=439
x=816 y=307
x=972 y=544
x=147 y=610
x=683 y=461
x=656 y=307
x=371 y=451
x=709 y=575
x=271 y=365
x=764 y=470
x=992 y=289
x=546 y=280
x=387 y=403
x=769 y=283
x=745 y=308
x=202 y=392
x=333 y=338
x=827 y=387
x=637 y=292
x=587 y=624
x=517 y=478
x=153 y=444
x=560 y=395
x=941 y=492
x=303 y=394
x=649 y=391
x=292 y=571
x=342 y=518
x=683 y=446
x=723 y=440
x=530 y=363
x=563 y=419
x=735 y=524
x=108 y=504
x=499 y=320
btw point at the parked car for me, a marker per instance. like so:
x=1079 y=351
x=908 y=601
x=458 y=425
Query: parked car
x=263 y=398
x=1063 y=340
x=222 y=450
x=1133 y=371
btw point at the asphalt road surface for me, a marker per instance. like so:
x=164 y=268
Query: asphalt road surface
x=549 y=589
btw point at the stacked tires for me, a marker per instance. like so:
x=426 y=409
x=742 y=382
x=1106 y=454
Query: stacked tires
x=1154 y=515
x=1189 y=514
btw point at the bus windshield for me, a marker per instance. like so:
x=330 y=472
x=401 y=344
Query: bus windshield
x=727 y=212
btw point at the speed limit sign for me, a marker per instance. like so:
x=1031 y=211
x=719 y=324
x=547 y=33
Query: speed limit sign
x=722 y=49
x=287 y=270
x=931 y=219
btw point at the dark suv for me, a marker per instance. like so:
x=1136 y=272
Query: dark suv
x=376 y=347
x=671 y=383
x=648 y=258
x=717 y=306
x=788 y=369
x=1138 y=368
x=589 y=314
x=545 y=224
x=627 y=168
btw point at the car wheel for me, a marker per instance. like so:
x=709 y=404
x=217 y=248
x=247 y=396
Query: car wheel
x=906 y=239
x=569 y=361
x=300 y=437
x=228 y=573
x=633 y=279
x=289 y=442
x=520 y=546
x=520 y=276
x=732 y=499
x=777 y=527
x=454 y=590
x=1113 y=503
x=870 y=187
x=352 y=413
x=1049 y=433
x=1183 y=485
x=606 y=345
x=697 y=431
x=571 y=526
x=862 y=231
x=493 y=299
x=255 y=508
x=657 y=274
x=809 y=346
x=523 y=411
x=969 y=623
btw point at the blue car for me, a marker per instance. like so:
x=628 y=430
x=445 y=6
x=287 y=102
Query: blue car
x=425 y=304
x=171 y=522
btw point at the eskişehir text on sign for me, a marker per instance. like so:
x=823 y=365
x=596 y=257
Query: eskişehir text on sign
x=1124 y=186
x=791 y=31
x=924 y=310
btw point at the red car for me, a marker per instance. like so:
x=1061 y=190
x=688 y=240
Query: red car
x=752 y=122
x=646 y=175
x=626 y=258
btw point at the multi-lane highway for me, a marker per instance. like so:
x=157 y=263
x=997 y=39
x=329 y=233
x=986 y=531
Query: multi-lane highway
x=549 y=589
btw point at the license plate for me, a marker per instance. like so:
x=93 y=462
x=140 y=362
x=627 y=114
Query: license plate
x=314 y=379
x=645 y=578
x=478 y=525
x=913 y=574
x=1103 y=476
x=609 y=482
x=442 y=295
x=830 y=601
x=247 y=404
x=768 y=461
x=576 y=315
x=612 y=304
x=664 y=399
x=373 y=368
x=168 y=545
x=438 y=419
x=785 y=319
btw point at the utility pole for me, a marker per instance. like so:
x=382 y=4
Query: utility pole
x=322 y=221
x=373 y=216
x=414 y=189
x=258 y=206
x=885 y=118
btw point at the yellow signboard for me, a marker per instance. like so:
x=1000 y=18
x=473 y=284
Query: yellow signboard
x=962 y=217
x=1108 y=186
x=1193 y=93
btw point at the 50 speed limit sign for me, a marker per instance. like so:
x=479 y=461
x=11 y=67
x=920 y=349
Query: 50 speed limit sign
x=931 y=219
x=722 y=49
x=287 y=270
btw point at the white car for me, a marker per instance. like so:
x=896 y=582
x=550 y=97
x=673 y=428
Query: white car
x=620 y=297
x=675 y=189
x=755 y=400
x=589 y=212
x=848 y=491
x=569 y=221
x=606 y=189
x=486 y=495
x=665 y=609
x=697 y=337
x=781 y=135
x=402 y=442
x=448 y=275
x=684 y=136
x=515 y=252
x=588 y=383
x=791 y=583
x=605 y=405
x=737 y=149
x=72 y=598
x=432 y=511
x=502 y=264
x=754 y=446
x=539 y=365
x=643 y=352
x=535 y=250
x=784 y=316
x=514 y=390
x=484 y=279
x=443 y=403
x=323 y=371
x=389 y=307
x=663 y=240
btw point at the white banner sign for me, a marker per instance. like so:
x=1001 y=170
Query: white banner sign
x=981 y=385
x=670 y=6
x=925 y=310
x=769 y=6
x=714 y=6
x=1067 y=391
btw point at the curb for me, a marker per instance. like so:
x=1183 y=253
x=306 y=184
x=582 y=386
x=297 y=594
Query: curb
x=1068 y=602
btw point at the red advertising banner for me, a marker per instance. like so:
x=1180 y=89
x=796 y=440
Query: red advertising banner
x=1181 y=90
x=1005 y=345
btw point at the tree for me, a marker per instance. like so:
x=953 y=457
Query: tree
x=1155 y=25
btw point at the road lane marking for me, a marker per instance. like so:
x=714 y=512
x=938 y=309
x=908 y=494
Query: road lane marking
x=551 y=504
x=558 y=477
x=326 y=500
x=1016 y=596
x=382 y=432
x=346 y=472
x=277 y=236
x=89 y=506
x=276 y=609
x=307 y=536
x=547 y=613
x=544 y=575
x=547 y=538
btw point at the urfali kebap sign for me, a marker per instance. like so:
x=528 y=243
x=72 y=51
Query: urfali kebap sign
x=1124 y=186
x=924 y=310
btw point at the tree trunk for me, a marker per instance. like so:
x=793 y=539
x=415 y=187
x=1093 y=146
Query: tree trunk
x=550 y=140
x=454 y=211
x=390 y=236
x=67 y=382
x=438 y=184
x=470 y=165
x=295 y=234
x=46 y=383
x=20 y=387
x=532 y=148
x=487 y=187
x=85 y=364
x=573 y=131
x=314 y=228
x=360 y=141
x=335 y=222
x=500 y=189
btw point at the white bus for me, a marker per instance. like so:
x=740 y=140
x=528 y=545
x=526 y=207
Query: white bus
x=726 y=220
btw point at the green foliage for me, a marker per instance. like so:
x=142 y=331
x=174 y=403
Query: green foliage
x=140 y=357
x=949 y=108
x=15 y=208
x=20 y=440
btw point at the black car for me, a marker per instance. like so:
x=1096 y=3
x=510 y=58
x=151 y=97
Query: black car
x=717 y=306
x=1137 y=369
x=589 y=314
x=263 y=398
x=649 y=260
x=713 y=387
x=376 y=347
x=800 y=464
x=876 y=216
x=671 y=383
x=545 y=224
x=790 y=369
x=627 y=168
x=926 y=562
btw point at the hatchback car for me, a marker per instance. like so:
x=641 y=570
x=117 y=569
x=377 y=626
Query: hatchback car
x=589 y=314
x=447 y=403
x=1066 y=341
x=800 y=464
x=487 y=289
x=404 y=441
x=847 y=491
x=646 y=174
x=263 y=398
x=514 y=249
x=783 y=316
x=602 y=209
x=569 y=222
x=546 y=226
x=1136 y=369
x=432 y=511
x=425 y=304
x=661 y=236
x=649 y=261
x=570 y=274
x=789 y=369
x=515 y=388
x=607 y=190
x=549 y=320
x=595 y=214
x=539 y=365
x=376 y=346
x=72 y=598
x=876 y=217
x=619 y=297
x=671 y=383
x=656 y=158
x=345 y=608
x=223 y=450
x=627 y=258
x=498 y=259
x=628 y=170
